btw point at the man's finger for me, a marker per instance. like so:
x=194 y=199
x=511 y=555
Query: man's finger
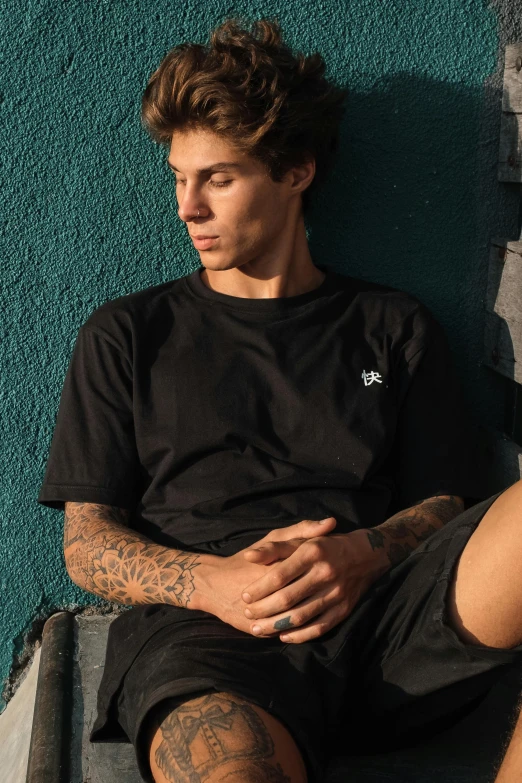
x=307 y=528
x=299 y=615
x=277 y=577
x=285 y=599
x=272 y=551
x=315 y=628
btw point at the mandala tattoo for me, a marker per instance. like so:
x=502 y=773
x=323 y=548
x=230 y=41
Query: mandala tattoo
x=106 y=557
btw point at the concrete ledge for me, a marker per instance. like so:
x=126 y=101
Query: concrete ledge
x=466 y=753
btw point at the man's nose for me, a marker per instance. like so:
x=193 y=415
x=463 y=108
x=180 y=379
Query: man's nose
x=189 y=204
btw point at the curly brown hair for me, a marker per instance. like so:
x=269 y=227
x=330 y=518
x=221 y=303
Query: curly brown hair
x=249 y=87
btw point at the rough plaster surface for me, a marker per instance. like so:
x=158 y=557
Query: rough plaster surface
x=89 y=210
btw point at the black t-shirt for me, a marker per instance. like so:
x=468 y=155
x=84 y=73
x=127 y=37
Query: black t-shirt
x=215 y=419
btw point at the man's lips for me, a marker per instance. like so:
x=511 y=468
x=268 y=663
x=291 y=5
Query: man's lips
x=203 y=242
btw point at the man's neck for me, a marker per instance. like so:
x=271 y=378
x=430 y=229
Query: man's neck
x=236 y=282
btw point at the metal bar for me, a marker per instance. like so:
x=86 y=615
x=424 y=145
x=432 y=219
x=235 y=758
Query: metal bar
x=49 y=749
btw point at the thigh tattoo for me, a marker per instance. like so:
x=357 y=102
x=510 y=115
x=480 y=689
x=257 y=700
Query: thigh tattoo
x=211 y=731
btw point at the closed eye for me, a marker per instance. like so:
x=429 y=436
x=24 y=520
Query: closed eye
x=215 y=184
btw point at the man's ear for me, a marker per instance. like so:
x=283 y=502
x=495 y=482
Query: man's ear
x=302 y=174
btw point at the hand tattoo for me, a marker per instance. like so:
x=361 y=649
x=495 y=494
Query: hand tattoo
x=283 y=623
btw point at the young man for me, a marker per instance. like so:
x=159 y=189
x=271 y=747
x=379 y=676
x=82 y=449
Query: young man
x=268 y=460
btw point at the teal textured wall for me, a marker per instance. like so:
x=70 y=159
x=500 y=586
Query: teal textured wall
x=89 y=212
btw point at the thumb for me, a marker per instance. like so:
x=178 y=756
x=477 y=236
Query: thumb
x=307 y=528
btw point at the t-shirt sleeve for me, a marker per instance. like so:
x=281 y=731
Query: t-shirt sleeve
x=433 y=450
x=93 y=456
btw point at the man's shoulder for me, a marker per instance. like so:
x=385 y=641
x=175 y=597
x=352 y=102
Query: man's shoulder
x=374 y=298
x=118 y=319
x=396 y=318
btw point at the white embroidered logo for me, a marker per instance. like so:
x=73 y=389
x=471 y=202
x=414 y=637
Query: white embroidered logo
x=370 y=377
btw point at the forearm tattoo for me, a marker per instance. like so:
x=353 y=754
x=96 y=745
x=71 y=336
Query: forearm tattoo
x=404 y=531
x=217 y=733
x=106 y=557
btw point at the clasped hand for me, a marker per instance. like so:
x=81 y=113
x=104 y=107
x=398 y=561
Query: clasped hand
x=314 y=583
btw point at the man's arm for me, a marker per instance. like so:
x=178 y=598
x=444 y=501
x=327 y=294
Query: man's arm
x=404 y=531
x=104 y=556
x=317 y=582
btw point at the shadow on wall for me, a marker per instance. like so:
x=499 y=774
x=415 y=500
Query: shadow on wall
x=414 y=203
x=502 y=346
x=503 y=341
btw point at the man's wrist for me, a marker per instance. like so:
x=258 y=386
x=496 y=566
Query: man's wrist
x=204 y=592
x=398 y=536
x=380 y=543
x=376 y=559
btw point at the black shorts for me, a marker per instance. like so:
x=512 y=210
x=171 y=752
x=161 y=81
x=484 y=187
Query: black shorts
x=390 y=674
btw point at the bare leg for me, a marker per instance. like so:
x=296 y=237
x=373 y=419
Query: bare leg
x=222 y=738
x=485 y=600
x=511 y=768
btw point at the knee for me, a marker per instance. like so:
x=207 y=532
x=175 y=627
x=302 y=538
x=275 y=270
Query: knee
x=220 y=735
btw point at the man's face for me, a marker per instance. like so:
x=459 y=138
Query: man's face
x=240 y=205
